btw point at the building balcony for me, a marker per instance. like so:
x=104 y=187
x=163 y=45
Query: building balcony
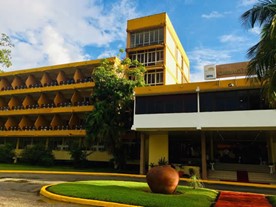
x=44 y=133
x=47 y=110
x=63 y=87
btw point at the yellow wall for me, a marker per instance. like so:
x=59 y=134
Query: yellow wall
x=173 y=61
x=157 y=20
x=170 y=27
x=158 y=147
x=99 y=156
x=65 y=155
x=202 y=86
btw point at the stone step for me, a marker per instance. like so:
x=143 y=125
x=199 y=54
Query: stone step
x=222 y=175
x=241 y=167
x=254 y=177
x=262 y=177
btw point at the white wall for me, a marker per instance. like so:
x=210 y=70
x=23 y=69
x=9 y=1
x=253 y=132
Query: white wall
x=239 y=120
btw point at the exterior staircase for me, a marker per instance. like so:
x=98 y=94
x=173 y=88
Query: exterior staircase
x=256 y=173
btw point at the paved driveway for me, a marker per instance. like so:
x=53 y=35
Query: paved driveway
x=22 y=190
x=25 y=193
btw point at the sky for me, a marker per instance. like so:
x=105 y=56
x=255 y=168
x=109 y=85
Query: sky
x=50 y=32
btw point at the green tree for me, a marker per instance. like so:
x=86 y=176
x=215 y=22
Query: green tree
x=78 y=154
x=7 y=153
x=5 y=51
x=263 y=55
x=112 y=98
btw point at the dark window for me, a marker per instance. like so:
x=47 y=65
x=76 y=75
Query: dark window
x=166 y=104
x=232 y=100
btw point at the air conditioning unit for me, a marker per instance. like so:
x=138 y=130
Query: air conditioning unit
x=209 y=72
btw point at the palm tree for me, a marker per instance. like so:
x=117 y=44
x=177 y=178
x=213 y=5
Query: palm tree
x=263 y=55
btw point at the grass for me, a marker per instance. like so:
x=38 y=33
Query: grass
x=272 y=200
x=53 y=168
x=135 y=193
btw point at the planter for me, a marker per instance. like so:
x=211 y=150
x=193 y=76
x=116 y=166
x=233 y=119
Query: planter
x=163 y=179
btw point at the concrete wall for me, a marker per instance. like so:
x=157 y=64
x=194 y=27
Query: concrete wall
x=238 y=120
x=158 y=147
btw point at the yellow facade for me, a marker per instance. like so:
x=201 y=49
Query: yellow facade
x=216 y=85
x=47 y=105
x=153 y=41
x=158 y=147
x=219 y=122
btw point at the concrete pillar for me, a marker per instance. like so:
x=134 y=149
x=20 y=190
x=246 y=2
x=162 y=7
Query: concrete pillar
x=17 y=143
x=47 y=143
x=212 y=148
x=158 y=147
x=203 y=156
x=270 y=147
x=142 y=154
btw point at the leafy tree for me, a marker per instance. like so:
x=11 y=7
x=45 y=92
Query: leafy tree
x=7 y=153
x=5 y=52
x=263 y=55
x=78 y=155
x=112 y=97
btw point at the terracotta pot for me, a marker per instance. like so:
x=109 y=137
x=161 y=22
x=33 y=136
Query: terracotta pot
x=163 y=179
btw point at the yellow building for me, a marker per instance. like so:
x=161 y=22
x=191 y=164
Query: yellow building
x=47 y=105
x=219 y=127
x=153 y=41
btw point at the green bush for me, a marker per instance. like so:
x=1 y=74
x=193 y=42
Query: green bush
x=37 y=155
x=6 y=153
x=78 y=155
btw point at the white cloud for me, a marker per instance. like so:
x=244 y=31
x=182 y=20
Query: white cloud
x=200 y=57
x=247 y=2
x=256 y=30
x=230 y=38
x=213 y=14
x=108 y=53
x=47 y=32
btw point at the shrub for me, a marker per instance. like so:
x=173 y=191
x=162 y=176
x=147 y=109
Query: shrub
x=6 y=153
x=78 y=155
x=37 y=155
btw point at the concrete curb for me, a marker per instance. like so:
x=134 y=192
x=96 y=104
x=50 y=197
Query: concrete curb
x=82 y=201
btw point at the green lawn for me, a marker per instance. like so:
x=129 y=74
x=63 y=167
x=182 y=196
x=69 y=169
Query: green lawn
x=66 y=168
x=272 y=200
x=135 y=193
x=53 y=168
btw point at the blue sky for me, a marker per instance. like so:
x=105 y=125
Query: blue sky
x=48 y=32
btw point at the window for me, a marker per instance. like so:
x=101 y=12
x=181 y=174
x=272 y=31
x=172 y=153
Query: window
x=148 y=57
x=154 y=77
x=231 y=100
x=147 y=37
x=166 y=103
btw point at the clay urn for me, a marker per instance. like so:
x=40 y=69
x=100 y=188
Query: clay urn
x=162 y=179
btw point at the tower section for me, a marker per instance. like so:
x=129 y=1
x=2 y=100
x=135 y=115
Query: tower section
x=153 y=41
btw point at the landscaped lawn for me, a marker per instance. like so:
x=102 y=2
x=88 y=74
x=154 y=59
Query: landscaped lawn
x=272 y=200
x=53 y=168
x=135 y=193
